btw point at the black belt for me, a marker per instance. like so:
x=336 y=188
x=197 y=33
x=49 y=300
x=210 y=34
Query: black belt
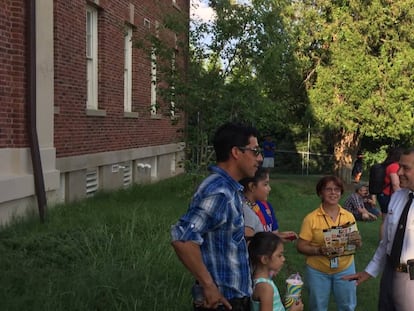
x=402 y=267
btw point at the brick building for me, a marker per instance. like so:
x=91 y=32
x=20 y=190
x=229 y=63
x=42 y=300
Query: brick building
x=101 y=122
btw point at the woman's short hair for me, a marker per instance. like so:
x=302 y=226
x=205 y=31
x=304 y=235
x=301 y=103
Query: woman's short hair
x=324 y=180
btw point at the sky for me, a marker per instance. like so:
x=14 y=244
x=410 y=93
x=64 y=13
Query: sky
x=201 y=12
x=201 y=9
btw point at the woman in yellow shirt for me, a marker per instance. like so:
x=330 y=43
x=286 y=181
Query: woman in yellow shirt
x=325 y=266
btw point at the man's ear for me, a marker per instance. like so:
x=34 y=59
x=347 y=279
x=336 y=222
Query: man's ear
x=235 y=152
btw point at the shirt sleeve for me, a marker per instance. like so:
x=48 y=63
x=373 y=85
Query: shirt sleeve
x=377 y=263
x=251 y=220
x=306 y=229
x=201 y=217
x=392 y=168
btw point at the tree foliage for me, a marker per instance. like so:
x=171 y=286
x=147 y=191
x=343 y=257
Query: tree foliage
x=247 y=67
x=345 y=67
x=357 y=60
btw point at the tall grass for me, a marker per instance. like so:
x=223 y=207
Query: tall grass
x=112 y=252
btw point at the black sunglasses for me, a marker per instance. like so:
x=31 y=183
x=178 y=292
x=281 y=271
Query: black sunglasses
x=257 y=151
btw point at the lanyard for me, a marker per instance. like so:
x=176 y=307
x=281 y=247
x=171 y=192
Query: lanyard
x=339 y=221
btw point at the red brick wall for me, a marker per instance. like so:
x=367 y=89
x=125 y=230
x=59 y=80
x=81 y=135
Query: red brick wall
x=12 y=74
x=75 y=132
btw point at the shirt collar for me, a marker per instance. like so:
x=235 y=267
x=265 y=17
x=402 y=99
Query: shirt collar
x=321 y=211
x=233 y=183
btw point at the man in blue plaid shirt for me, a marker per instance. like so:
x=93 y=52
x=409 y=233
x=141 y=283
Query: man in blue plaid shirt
x=209 y=238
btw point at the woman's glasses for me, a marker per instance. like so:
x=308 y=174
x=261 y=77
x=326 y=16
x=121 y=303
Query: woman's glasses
x=336 y=190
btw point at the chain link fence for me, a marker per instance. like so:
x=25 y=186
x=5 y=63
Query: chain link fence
x=286 y=161
x=303 y=162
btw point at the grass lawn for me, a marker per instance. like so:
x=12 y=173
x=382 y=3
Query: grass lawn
x=112 y=252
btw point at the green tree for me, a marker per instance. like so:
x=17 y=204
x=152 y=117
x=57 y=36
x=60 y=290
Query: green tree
x=357 y=59
x=250 y=55
x=245 y=70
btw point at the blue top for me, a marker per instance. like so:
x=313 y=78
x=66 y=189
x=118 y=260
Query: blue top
x=267 y=216
x=268 y=149
x=214 y=220
x=277 y=302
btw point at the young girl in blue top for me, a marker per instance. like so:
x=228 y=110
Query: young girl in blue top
x=266 y=257
x=258 y=212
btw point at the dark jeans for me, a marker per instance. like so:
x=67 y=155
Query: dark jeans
x=238 y=304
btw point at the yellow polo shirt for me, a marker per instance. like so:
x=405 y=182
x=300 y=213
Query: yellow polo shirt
x=312 y=230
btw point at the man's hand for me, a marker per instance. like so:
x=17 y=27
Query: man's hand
x=214 y=298
x=190 y=255
x=359 y=277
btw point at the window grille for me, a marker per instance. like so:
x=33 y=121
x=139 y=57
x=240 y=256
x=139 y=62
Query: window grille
x=92 y=182
x=127 y=175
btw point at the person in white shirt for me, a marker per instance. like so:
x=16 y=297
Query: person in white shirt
x=396 y=288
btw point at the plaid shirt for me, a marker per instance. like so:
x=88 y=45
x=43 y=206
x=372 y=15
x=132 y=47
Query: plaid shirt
x=353 y=202
x=214 y=220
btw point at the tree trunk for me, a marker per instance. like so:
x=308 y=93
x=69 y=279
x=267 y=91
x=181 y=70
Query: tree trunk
x=345 y=147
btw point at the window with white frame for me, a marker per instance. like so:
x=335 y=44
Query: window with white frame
x=153 y=82
x=128 y=70
x=172 y=86
x=154 y=74
x=92 y=57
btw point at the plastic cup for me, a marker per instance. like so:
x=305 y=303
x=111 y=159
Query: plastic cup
x=293 y=292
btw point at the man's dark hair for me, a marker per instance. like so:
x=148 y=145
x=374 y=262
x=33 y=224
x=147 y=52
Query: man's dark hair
x=231 y=135
x=408 y=151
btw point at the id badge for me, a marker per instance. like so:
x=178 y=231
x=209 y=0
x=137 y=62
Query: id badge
x=334 y=263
